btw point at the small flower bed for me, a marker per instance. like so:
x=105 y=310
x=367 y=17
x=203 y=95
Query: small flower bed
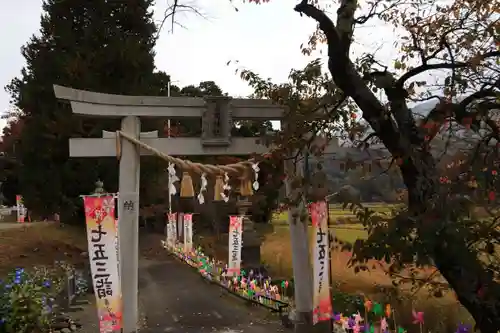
x=27 y=300
x=248 y=285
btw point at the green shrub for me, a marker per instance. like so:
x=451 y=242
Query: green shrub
x=26 y=301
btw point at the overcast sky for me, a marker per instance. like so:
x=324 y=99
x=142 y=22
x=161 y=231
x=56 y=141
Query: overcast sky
x=263 y=38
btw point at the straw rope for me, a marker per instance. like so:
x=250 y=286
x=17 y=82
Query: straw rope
x=199 y=168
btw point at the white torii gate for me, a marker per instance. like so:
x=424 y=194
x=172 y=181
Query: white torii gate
x=217 y=114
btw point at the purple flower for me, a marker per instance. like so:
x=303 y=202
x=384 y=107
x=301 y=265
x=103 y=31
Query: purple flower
x=463 y=328
x=336 y=316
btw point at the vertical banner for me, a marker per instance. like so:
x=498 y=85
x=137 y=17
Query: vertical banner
x=21 y=210
x=235 y=242
x=322 y=304
x=188 y=233
x=172 y=230
x=175 y=233
x=101 y=235
x=180 y=227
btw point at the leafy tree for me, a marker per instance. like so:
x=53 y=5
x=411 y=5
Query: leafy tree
x=373 y=187
x=104 y=46
x=192 y=127
x=456 y=45
x=8 y=164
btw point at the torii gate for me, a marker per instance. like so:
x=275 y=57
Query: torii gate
x=217 y=114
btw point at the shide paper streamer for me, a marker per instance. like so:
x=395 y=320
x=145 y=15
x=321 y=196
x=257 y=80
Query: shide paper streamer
x=222 y=187
x=225 y=188
x=256 y=169
x=203 y=188
x=172 y=179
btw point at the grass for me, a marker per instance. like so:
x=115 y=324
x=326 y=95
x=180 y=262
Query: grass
x=41 y=244
x=337 y=213
x=347 y=233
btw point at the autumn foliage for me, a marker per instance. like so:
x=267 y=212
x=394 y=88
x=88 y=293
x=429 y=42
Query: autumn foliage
x=447 y=55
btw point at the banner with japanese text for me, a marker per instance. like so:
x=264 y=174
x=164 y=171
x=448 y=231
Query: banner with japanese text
x=21 y=210
x=180 y=227
x=102 y=236
x=322 y=304
x=188 y=233
x=235 y=243
x=175 y=233
x=172 y=230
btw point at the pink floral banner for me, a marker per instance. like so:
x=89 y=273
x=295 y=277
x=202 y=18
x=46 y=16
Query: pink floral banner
x=322 y=303
x=235 y=243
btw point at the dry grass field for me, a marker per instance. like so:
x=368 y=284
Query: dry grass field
x=41 y=244
x=44 y=243
x=441 y=314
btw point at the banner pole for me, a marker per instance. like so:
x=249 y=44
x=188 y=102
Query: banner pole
x=330 y=282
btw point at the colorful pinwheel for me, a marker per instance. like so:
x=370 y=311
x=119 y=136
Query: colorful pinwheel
x=383 y=325
x=377 y=309
x=368 y=305
x=388 y=310
x=418 y=317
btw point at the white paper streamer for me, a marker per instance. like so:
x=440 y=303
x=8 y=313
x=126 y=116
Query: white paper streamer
x=172 y=179
x=256 y=169
x=225 y=187
x=203 y=188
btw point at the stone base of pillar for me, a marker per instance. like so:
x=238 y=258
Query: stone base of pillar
x=250 y=256
x=250 y=250
x=301 y=322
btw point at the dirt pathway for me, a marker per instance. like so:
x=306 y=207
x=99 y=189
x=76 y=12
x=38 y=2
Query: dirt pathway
x=176 y=299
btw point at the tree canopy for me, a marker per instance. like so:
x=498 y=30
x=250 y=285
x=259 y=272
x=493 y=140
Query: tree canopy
x=447 y=52
x=101 y=46
x=106 y=47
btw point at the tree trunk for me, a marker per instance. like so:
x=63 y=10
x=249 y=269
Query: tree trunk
x=474 y=285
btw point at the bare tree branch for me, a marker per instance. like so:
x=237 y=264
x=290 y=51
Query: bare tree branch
x=173 y=11
x=426 y=67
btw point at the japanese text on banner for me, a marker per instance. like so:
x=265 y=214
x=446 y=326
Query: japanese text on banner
x=21 y=210
x=171 y=229
x=188 y=233
x=101 y=235
x=322 y=305
x=235 y=240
